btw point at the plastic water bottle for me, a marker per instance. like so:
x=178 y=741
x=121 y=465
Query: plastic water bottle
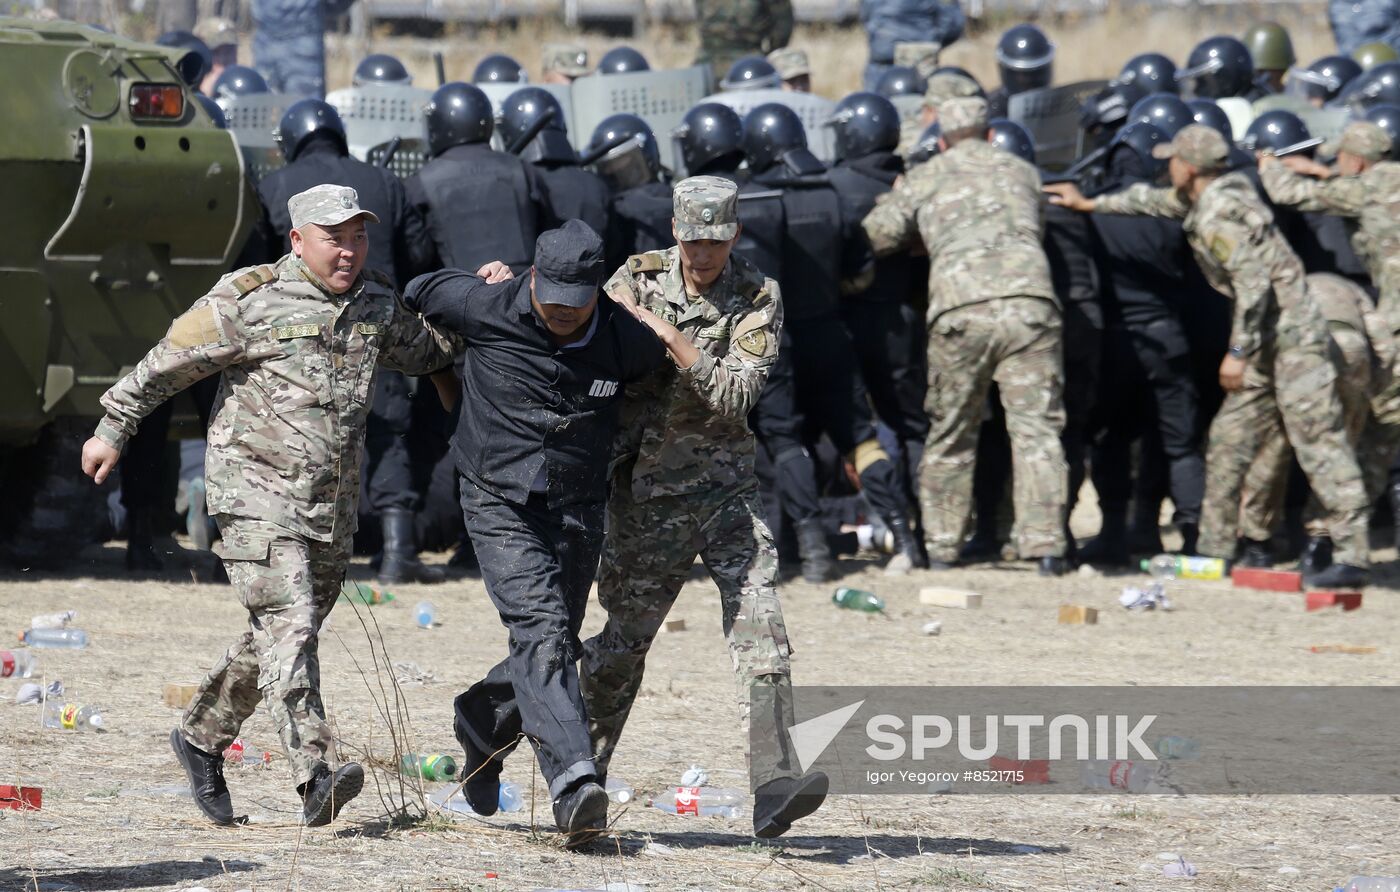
x=451 y=798
x=511 y=797
x=1179 y=566
x=619 y=792
x=1177 y=748
x=425 y=614
x=359 y=593
x=1372 y=884
x=856 y=599
x=58 y=620
x=72 y=717
x=1132 y=777
x=237 y=756
x=429 y=766
x=703 y=801
x=70 y=638
x=17 y=664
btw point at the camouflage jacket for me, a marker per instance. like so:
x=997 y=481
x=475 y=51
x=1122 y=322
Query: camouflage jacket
x=732 y=29
x=1239 y=248
x=298 y=369
x=1346 y=305
x=686 y=430
x=981 y=215
x=1372 y=199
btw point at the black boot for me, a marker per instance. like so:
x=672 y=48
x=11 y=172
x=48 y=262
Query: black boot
x=1317 y=556
x=581 y=813
x=1110 y=546
x=481 y=775
x=779 y=802
x=206 y=776
x=1254 y=553
x=907 y=553
x=1190 y=535
x=325 y=794
x=816 y=555
x=1338 y=578
x=1144 y=533
x=140 y=548
x=401 y=563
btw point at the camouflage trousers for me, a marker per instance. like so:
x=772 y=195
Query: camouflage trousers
x=288 y=585
x=650 y=550
x=1292 y=390
x=1267 y=480
x=1015 y=342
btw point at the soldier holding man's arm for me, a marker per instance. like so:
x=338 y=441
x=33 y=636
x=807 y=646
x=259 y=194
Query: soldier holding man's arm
x=298 y=344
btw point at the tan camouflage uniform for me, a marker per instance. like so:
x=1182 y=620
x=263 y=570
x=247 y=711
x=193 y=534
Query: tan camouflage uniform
x=282 y=468
x=1289 y=378
x=992 y=316
x=1362 y=353
x=941 y=87
x=568 y=59
x=732 y=29
x=684 y=484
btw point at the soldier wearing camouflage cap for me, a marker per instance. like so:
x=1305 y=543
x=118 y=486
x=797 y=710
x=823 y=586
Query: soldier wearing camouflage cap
x=942 y=86
x=794 y=68
x=1364 y=187
x=298 y=343
x=1278 y=371
x=684 y=484
x=562 y=62
x=993 y=316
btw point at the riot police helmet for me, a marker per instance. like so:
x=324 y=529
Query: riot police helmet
x=1275 y=130
x=1369 y=55
x=1166 y=110
x=624 y=151
x=622 y=60
x=238 y=80
x=498 y=68
x=381 y=68
x=1109 y=108
x=863 y=123
x=900 y=80
x=710 y=137
x=458 y=114
x=752 y=73
x=771 y=131
x=305 y=119
x=1011 y=137
x=1140 y=137
x=1209 y=113
x=1375 y=86
x=1324 y=79
x=1387 y=117
x=213 y=110
x=1025 y=58
x=1270 y=47
x=1151 y=72
x=1218 y=67
x=520 y=113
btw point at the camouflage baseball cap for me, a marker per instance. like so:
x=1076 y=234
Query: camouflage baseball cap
x=1198 y=145
x=706 y=208
x=216 y=31
x=790 y=62
x=1362 y=138
x=569 y=59
x=326 y=205
x=949 y=85
x=963 y=113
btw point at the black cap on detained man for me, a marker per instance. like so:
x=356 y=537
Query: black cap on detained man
x=568 y=265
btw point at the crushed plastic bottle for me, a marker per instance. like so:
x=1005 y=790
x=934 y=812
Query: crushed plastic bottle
x=1179 y=868
x=695 y=776
x=1371 y=884
x=1122 y=775
x=1179 y=566
x=30 y=692
x=703 y=801
x=619 y=792
x=69 y=638
x=17 y=664
x=237 y=756
x=359 y=593
x=1150 y=598
x=424 y=614
x=451 y=798
x=857 y=599
x=428 y=766
x=1175 y=747
x=72 y=717
x=58 y=620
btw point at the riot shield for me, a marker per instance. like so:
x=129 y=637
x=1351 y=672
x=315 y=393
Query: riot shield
x=661 y=98
x=1051 y=115
x=1327 y=123
x=814 y=111
x=376 y=113
x=253 y=120
x=1240 y=112
x=409 y=157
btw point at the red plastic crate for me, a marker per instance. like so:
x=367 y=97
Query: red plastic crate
x=1323 y=600
x=1267 y=580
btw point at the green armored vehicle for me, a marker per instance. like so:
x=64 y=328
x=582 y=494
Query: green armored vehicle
x=123 y=203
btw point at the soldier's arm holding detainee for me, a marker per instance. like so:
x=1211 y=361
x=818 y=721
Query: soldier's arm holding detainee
x=1285 y=181
x=413 y=345
x=203 y=341
x=893 y=224
x=1139 y=199
x=444 y=298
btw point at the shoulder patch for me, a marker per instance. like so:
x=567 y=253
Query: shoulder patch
x=650 y=262
x=197 y=327
x=754 y=343
x=1221 y=248
x=254 y=278
x=751 y=335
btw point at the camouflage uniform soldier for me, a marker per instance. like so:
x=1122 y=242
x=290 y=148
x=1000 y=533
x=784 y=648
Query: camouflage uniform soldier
x=992 y=316
x=684 y=483
x=297 y=343
x=941 y=87
x=562 y=62
x=732 y=29
x=1362 y=352
x=1278 y=370
x=793 y=67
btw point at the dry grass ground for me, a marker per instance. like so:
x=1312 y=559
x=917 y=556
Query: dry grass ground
x=114 y=816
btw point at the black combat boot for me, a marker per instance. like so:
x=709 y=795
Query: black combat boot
x=400 y=563
x=783 y=800
x=1317 y=556
x=581 y=813
x=141 y=554
x=816 y=555
x=1190 y=535
x=908 y=555
x=1144 y=533
x=1110 y=546
x=206 y=776
x=1338 y=578
x=325 y=794
x=1253 y=553
x=481 y=775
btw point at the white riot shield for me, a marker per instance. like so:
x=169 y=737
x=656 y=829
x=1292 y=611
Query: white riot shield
x=1051 y=116
x=498 y=93
x=814 y=111
x=1240 y=112
x=376 y=113
x=253 y=121
x=1327 y=123
x=661 y=98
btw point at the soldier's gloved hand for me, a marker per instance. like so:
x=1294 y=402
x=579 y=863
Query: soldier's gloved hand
x=494 y=272
x=99 y=459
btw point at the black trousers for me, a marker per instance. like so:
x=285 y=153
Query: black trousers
x=538 y=564
x=388 y=468
x=789 y=478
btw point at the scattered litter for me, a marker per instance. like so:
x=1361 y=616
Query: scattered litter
x=656 y=848
x=1089 y=571
x=1150 y=598
x=21 y=798
x=1288 y=869
x=411 y=674
x=1179 y=868
x=425 y=614
x=29 y=692
x=1078 y=615
x=857 y=599
x=695 y=776
x=58 y=620
x=932 y=627
x=65 y=638
x=937 y=596
x=1343 y=649
x=1322 y=600
x=675 y=625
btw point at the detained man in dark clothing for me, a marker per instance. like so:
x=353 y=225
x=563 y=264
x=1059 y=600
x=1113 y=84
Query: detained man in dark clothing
x=547 y=360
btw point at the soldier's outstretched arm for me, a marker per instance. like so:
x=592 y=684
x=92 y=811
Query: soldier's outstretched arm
x=1343 y=196
x=206 y=339
x=893 y=224
x=443 y=300
x=414 y=346
x=1143 y=200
